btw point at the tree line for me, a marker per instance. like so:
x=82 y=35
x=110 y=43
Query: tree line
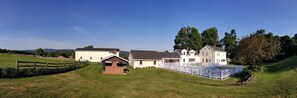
x=15 y=51
x=255 y=49
x=64 y=53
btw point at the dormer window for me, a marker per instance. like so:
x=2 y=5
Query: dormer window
x=184 y=53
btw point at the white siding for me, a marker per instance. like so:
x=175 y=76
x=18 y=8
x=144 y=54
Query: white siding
x=145 y=63
x=92 y=56
x=207 y=53
x=220 y=57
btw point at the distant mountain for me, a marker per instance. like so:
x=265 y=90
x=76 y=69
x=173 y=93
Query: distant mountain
x=50 y=50
x=54 y=50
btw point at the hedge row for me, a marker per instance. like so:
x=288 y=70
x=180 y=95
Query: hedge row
x=29 y=72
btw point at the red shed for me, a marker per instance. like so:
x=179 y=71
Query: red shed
x=114 y=65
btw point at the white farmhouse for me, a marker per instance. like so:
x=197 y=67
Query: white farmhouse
x=188 y=57
x=94 y=54
x=212 y=54
x=208 y=55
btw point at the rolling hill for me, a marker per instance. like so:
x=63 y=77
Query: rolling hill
x=279 y=80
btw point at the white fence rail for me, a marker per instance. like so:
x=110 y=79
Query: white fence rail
x=209 y=71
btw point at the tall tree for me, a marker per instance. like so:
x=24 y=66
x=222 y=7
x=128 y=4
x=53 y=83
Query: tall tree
x=287 y=43
x=210 y=36
x=229 y=41
x=89 y=46
x=39 y=52
x=188 y=38
x=255 y=49
x=72 y=54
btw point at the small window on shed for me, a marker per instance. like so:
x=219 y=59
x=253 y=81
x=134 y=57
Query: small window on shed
x=155 y=62
x=80 y=57
x=101 y=58
x=140 y=62
x=90 y=58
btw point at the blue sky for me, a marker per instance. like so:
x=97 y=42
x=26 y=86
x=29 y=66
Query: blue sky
x=134 y=24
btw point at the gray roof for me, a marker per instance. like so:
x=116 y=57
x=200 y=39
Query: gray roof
x=168 y=55
x=97 y=49
x=217 y=48
x=147 y=54
x=179 y=51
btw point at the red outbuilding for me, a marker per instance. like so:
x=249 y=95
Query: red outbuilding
x=114 y=65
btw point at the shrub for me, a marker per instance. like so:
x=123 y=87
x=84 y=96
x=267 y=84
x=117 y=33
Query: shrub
x=1 y=75
x=29 y=72
x=25 y=73
x=9 y=73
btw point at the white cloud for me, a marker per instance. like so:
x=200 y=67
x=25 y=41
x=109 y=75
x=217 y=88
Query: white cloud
x=80 y=30
x=33 y=43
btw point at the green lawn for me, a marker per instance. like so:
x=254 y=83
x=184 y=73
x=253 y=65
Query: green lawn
x=9 y=60
x=279 y=80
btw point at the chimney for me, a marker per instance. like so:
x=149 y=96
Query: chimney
x=114 y=52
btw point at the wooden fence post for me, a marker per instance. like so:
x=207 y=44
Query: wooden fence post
x=34 y=65
x=17 y=64
x=57 y=65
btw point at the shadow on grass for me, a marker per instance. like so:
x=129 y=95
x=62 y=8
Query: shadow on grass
x=242 y=76
x=281 y=66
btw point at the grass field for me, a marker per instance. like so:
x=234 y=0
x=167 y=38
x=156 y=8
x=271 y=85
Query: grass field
x=279 y=80
x=9 y=60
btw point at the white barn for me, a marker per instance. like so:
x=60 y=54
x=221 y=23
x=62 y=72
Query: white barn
x=146 y=58
x=94 y=54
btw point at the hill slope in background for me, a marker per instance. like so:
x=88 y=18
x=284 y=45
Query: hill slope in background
x=278 y=80
x=50 y=50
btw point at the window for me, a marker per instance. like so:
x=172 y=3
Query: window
x=80 y=57
x=101 y=58
x=140 y=62
x=203 y=53
x=209 y=60
x=218 y=54
x=202 y=60
x=155 y=62
x=206 y=53
x=184 y=53
x=206 y=60
x=184 y=60
x=191 y=59
x=90 y=58
x=110 y=51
